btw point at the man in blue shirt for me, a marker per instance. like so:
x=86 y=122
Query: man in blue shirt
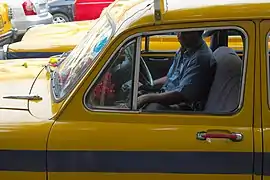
x=189 y=79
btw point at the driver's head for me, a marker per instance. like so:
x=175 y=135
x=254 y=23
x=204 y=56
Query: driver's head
x=189 y=38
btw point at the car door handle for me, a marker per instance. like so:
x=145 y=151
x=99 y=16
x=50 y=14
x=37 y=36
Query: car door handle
x=235 y=137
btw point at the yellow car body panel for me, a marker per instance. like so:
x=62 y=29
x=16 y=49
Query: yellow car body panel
x=57 y=140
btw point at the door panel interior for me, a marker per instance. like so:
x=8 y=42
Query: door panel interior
x=158 y=63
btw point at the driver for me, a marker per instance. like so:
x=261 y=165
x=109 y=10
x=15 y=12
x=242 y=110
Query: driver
x=188 y=82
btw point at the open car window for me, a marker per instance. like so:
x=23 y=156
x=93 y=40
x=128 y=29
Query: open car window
x=115 y=86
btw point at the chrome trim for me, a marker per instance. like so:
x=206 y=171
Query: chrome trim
x=34 y=26
x=15 y=31
x=13 y=109
x=6 y=35
x=26 y=97
x=111 y=21
x=136 y=73
x=239 y=136
x=241 y=101
x=5 y=51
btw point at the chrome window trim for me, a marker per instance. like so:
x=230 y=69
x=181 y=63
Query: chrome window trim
x=244 y=71
x=136 y=73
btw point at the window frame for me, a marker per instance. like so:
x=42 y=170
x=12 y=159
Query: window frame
x=135 y=77
x=139 y=37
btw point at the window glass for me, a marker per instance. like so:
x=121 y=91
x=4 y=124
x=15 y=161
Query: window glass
x=205 y=74
x=82 y=57
x=236 y=41
x=166 y=42
x=113 y=89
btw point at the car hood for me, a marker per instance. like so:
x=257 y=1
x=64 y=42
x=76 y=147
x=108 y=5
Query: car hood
x=16 y=79
x=60 y=37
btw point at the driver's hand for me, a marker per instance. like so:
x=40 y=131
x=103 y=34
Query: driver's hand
x=142 y=92
x=142 y=100
x=145 y=87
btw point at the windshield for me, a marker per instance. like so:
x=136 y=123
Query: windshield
x=73 y=67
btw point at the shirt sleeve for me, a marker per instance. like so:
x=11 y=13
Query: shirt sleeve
x=194 y=79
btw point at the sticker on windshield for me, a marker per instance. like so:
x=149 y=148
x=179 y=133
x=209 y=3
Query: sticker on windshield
x=98 y=47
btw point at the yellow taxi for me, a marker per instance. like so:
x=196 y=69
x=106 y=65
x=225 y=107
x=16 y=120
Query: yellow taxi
x=49 y=40
x=7 y=33
x=77 y=117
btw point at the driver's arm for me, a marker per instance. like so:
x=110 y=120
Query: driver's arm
x=190 y=88
x=160 y=81
x=167 y=98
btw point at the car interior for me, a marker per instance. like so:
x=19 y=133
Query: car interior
x=115 y=88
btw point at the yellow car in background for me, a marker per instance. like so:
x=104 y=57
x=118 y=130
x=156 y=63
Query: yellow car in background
x=47 y=40
x=7 y=33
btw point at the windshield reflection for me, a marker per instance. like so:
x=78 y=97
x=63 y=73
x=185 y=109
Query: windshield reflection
x=71 y=69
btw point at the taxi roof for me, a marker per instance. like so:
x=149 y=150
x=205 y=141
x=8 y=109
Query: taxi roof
x=207 y=10
x=194 y=11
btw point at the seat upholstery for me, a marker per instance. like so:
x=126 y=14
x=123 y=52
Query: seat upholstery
x=225 y=91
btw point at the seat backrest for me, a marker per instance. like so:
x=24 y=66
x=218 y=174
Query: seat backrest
x=225 y=91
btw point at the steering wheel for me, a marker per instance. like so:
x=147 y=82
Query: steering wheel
x=145 y=74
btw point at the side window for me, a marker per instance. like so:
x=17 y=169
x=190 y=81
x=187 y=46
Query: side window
x=236 y=42
x=113 y=88
x=167 y=42
x=205 y=75
x=163 y=42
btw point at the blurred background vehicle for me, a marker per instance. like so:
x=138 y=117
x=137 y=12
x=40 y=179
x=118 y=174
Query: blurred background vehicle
x=89 y=9
x=7 y=33
x=49 y=40
x=62 y=10
x=28 y=13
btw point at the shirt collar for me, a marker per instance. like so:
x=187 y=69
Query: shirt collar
x=192 y=50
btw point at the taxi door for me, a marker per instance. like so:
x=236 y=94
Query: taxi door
x=264 y=52
x=125 y=145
